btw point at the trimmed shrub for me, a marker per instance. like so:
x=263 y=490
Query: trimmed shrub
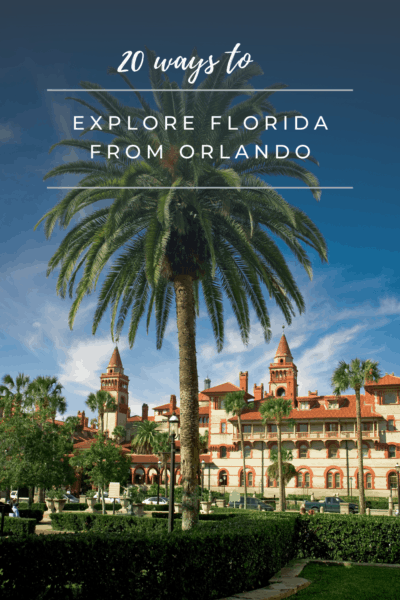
x=212 y=517
x=31 y=514
x=94 y=522
x=162 y=507
x=39 y=506
x=355 y=538
x=18 y=527
x=231 y=557
x=108 y=507
x=74 y=506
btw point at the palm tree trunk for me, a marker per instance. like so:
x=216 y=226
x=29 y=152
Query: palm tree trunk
x=189 y=401
x=360 y=455
x=244 y=463
x=280 y=469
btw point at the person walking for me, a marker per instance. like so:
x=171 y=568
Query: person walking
x=15 y=510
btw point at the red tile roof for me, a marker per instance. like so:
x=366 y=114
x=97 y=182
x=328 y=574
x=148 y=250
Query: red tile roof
x=318 y=411
x=283 y=347
x=162 y=407
x=225 y=388
x=386 y=380
x=115 y=360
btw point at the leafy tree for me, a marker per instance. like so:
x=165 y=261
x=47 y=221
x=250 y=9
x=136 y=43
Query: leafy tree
x=162 y=448
x=119 y=433
x=203 y=442
x=145 y=437
x=278 y=410
x=103 y=462
x=234 y=403
x=165 y=241
x=354 y=376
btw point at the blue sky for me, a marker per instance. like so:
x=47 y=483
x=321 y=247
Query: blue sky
x=353 y=303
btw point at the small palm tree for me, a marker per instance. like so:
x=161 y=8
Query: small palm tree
x=162 y=447
x=288 y=469
x=278 y=409
x=14 y=394
x=119 y=434
x=354 y=376
x=234 y=403
x=145 y=437
x=46 y=393
x=101 y=402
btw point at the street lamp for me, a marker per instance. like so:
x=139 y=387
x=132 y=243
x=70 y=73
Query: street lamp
x=173 y=433
x=398 y=487
x=158 y=482
x=203 y=466
x=351 y=490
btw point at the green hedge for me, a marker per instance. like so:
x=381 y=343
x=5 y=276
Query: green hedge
x=231 y=557
x=95 y=522
x=31 y=514
x=108 y=507
x=74 y=506
x=355 y=538
x=162 y=507
x=211 y=517
x=18 y=527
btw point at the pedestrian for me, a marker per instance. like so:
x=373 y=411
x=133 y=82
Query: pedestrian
x=15 y=510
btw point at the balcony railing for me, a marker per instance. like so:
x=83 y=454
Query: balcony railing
x=314 y=435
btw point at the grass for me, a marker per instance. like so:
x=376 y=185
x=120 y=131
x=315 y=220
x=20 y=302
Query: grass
x=339 y=582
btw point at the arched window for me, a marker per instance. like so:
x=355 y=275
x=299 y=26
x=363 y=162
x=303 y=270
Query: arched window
x=303 y=479
x=368 y=481
x=250 y=478
x=247 y=451
x=222 y=452
x=333 y=451
x=392 y=452
x=333 y=479
x=303 y=451
x=223 y=478
x=281 y=392
x=365 y=449
x=393 y=481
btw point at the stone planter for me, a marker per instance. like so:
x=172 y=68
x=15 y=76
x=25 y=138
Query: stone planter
x=82 y=499
x=205 y=507
x=344 y=508
x=125 y=506
x=138 y=510
x=220 y=502
x=50 y=505
x=91 y=502
x=178 y=507
x=59 y=505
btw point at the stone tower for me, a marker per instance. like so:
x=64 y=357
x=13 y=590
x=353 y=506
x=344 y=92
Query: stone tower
x=283 y=373
x=117 y=384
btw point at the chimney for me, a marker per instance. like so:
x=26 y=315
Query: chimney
x=81 y=417
x=172 y=403
x=258 y=391
x=145 y=412
x=244 y=380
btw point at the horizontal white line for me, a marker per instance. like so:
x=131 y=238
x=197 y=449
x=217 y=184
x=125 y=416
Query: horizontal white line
x=197 y=90
x=201 y=188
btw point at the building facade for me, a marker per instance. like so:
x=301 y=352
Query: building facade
x=323 y=441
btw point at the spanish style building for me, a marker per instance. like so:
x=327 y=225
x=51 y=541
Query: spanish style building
x=323 y=441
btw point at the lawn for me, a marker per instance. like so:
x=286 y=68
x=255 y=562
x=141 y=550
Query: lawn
x=338 y=582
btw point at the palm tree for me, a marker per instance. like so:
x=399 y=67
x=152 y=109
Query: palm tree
x=278 y=409
x=165 y=241
x=101 y=402
x=288 y=469
x=354 y=376
x=46 y=396
x=145 y=437
x=119 y=433
x=162 y=448
x=234 y=403
x=14 y=394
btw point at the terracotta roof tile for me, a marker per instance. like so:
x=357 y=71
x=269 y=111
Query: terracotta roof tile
x=115 y=360
x=225 y=388
x=283 y=347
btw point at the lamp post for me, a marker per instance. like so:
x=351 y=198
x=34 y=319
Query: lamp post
x=173 y=432
x=351 y=489
x=398 y=488
x=158 y=482
x=203 y=466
